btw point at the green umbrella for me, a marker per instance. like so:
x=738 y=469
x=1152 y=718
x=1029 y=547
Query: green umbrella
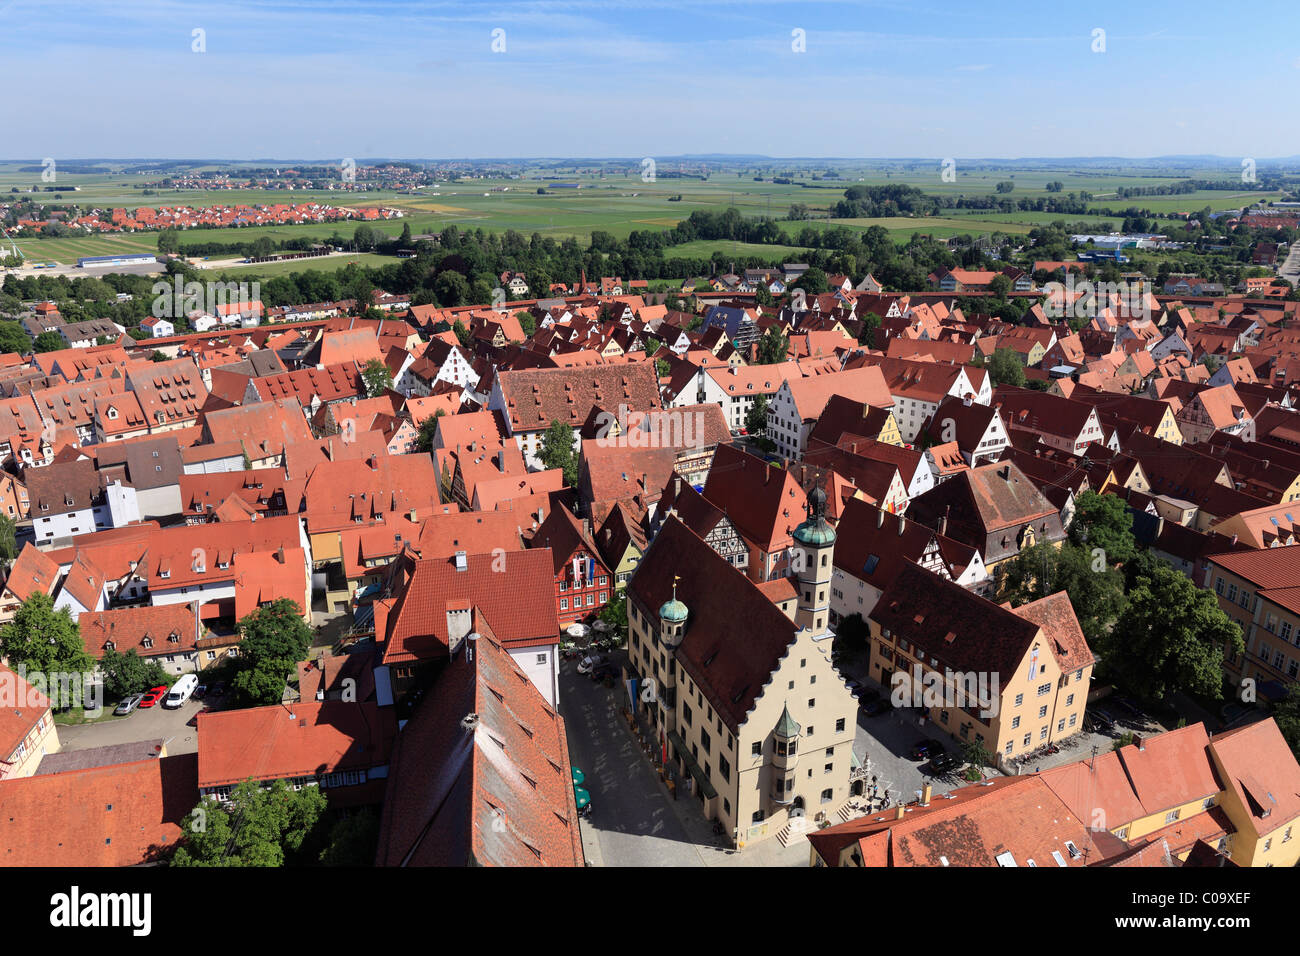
x=581 y=797
x=578 y=776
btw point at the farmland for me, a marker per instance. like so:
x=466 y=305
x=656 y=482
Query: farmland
x=618 y=202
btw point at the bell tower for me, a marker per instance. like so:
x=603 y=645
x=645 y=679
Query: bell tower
x=814 y=564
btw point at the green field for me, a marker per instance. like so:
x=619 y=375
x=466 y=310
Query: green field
x=369 y=260
x=619 y=202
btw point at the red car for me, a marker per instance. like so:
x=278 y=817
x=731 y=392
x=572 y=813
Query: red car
x=154 y=695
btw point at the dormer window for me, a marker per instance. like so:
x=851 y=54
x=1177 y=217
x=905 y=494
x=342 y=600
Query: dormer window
x=147 y=643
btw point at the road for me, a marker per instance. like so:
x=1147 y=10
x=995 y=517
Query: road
x=633 y=820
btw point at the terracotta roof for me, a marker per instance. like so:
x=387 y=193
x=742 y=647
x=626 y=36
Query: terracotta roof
x=119 y=815
x=128 y=628
x=33 y=572
x=283 y=741
x=536 y=397
x=517 y=595
x=481 y=774
x=1260 y=768
x=764 y=502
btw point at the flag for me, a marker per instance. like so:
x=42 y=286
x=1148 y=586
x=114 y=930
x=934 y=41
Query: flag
x=591 y=570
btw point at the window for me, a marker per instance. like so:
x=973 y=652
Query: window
x=1060 y=725
x=756 y=749
x=810 y=730
x=1015 y=722
x=1074 y=718
x=564 y=604
x=828 y=795
x=812 y=701
x=541 y=658
x=829 y=768
x=1020 y=699
x=1069 y=700
x=1172 y=815
x=1044 y=689
x=1042 y=712
x=839 y=726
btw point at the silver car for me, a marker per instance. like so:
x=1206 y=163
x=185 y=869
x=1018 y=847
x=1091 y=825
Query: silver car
x=128 y=704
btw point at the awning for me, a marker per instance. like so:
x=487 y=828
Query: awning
x=696 y=771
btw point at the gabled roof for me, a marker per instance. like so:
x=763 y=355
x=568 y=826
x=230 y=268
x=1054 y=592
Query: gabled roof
x=118 y=815
x=765 y=503
x=281 y=742
x=1260 y=768
x=963 y=630
x=517 y=595
x=481 y=774
x=735 y=637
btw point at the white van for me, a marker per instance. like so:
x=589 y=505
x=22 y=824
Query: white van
x=181 y=691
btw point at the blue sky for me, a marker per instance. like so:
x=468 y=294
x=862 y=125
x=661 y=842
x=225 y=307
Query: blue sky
x=296 y=79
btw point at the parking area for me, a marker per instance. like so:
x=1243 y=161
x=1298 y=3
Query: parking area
x=152 y=723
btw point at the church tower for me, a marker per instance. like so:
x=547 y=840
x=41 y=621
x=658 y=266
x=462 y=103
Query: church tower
x=813 y=564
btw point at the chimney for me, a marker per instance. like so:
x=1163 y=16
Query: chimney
x=902 y=523
x=501 y=461
x=926 y=792
x=943 y=522
x=900 y=812
x=677 y=486
x=880 y=517
x=412 y=516
x=1005 y=472
x=1139 y=743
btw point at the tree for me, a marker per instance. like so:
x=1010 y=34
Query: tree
x=772 y=347
x=256 y=826
x=756 y=417
x=526 y=321
x=49 y=342
x=867 y=334
x=1005 y=186
x=275 y=639
x=814 y=282
x=557 y=451
x=1096 y=592
x=353 y=840
x=1005 y=368
x=128 y=673
x=462 y=333
x=1103 y=521
x=1171 y=637
x=44 y=640
x=377 y=378
x=169 y=241
x=8 y=540
x=428 y=431
x=1286 y=712
x=14 y=339
x=451 y=288
x=615 y=615
x=1000 y=285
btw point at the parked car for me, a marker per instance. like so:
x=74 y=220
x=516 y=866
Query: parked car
x=926 y=748
x=128 y=704
x=1099 y=721
x=868 y=696
x=1232 y=710
x=201 y=691
x=944 y=762
x=154 y=695
x=878 y=707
